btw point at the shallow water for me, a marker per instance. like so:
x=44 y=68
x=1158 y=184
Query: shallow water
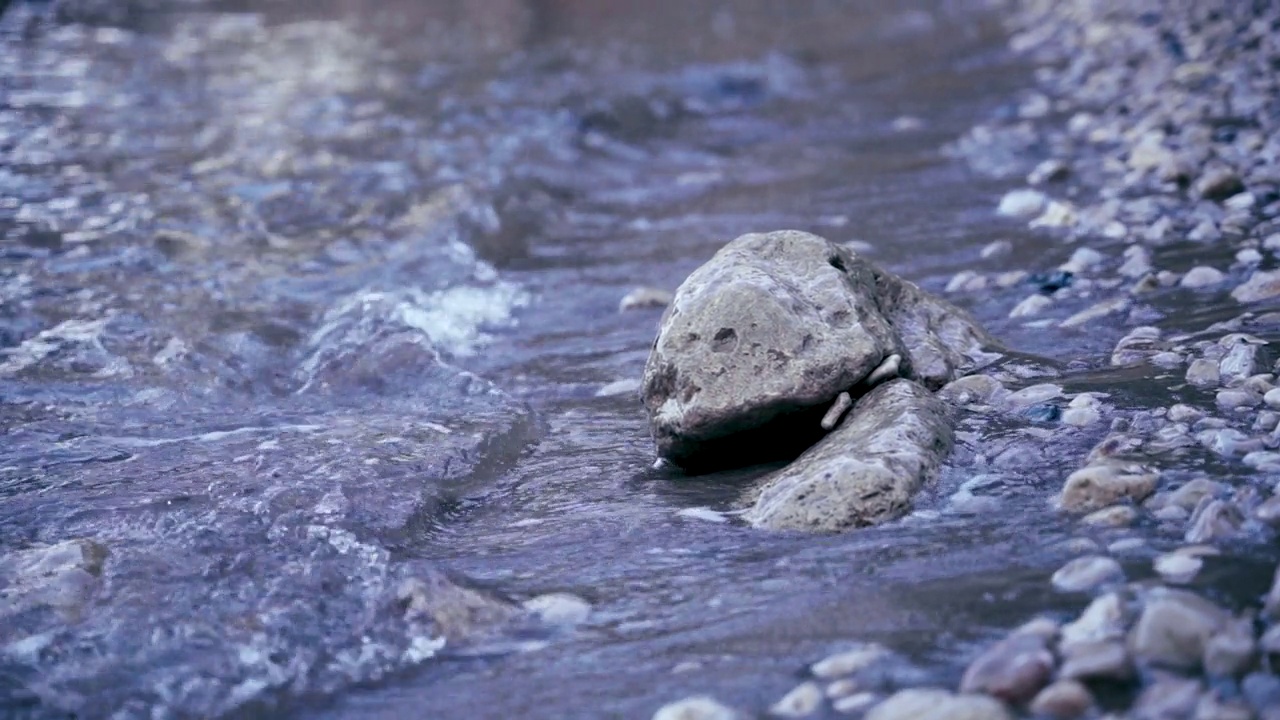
x=301 y=302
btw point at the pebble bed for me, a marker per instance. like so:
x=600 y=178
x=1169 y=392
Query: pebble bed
x=1155 y=128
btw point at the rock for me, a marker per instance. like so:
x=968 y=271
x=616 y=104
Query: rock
x=1231 y=652
x=1024 y=203
x=1102 y=620
x=855 y=703
x=1189 y=495
x=849 y=661
x=1082 y=259
x=1213 y=706
x=1203 y=373
x=930 y=704
x=1232 y=399
x=1169 y=698
x=1271 y=605
x=1099 y=310
x=1174 y=629
x=1269 y=511
x=1103 y=483
x=626 y=386
x=1272 y=398
x=1031 y=305
x=1218 y=183
x=1114 y=516
x=1087 y=573
x=699 y=707
x=966 y=281
x=1048 y=171
x=1178 y=568
x=1012 y=670
x=1242 y=358
x=1180 y=413
x=1216 y=520
x=1202 y=276
x=803 y=701
x=644 y=297
x=63 y=577
x=1063 y=700
x=1262 y=285
x=1137 y=262
x=1097 y=660
x=563 y=609
x=995 y=249
x=1056 y=215
x=899 y=433
x=1262 y=691
x=975 y=389
x=758 y=342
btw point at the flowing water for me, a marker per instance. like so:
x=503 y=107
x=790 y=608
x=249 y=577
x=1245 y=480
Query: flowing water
x=304 y=299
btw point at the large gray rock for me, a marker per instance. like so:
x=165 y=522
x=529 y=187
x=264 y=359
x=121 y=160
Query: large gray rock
x=760 y=340
x=867 y=470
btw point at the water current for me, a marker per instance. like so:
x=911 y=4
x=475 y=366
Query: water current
x=302 y=300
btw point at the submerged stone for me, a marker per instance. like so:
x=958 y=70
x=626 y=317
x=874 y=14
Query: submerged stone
x=867 y=470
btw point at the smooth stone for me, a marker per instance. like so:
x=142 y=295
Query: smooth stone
x=1032 y=395
x=1048 y=171
x=1114 y=516
x=1099 y=660
x=1102 y=620
x=848 y=662
x=974 y=389
x=901 y=432
x=1232 y=651
x=803 y=701
x=1174 y=629
x=1178 y=568
x=1084 y=258
x=854 y=704
x=1137 y=262
x=1202 y=276
x=644 y=297
x=1229 y=442
x=1218 y=183
x=1104 y=483
x=1126 y=546
x=1269 y=511
x=995 y=249
x=1012 y=670
x=1261 y=690
x=1031 y=305
x=696 y=708
x=1242 y=358
x=1262 y=285
x=1234 y=399
x=1203 y=373
x=1096 y=311
x=1217 y=520
x=1063 y=700
x=1087 y=573
x=564 y=609
x=1168 y=698
x=1272 y=398
x=1057 y=214
x=777 y=325
x=1189 y=495
x=1022 y=203
x=626 y=386
x=1262 y=459
x=930 y=704
x=1271 y=604
x=1184 y=413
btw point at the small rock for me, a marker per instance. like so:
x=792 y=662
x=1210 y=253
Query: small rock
x=1203 y=373
x=1012 y=670
x=626 y=386
x=1269 y=511
x=1178 y=568
x=562 y=609
x=1169 y=698
x=1174 y=629
x=998 y=248
x=1099 y=310
x=1217 y=520
x=1262 y=285
x=1137 y=262
x=1100 y=660
x=1031 y=305
x=848 y=662
x=1082 y=259
x=644 y=297
x=1056 y=215
x=1104 y=483
x=855 y=703
x=966 y=281
x=1232 y=399
x=802 y=701
x=1230 y=652
x=1114 y=517
x=1048 y=171
x=1193 y=491
x=1218 y=183
x=1024 y=203
x=1272 y=398
x=1180 y=413
x=1063 y=700
x=696 y=708
x=1202 y=276
x=1087 y=573
x=930 y=704
x=1102 y=620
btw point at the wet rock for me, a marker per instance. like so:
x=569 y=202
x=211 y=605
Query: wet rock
x=1168 y=698
x=1202 y=276
x=63 y=577
x=849 y=661
x=1052 y=282
x=1262 y=285
x=1140 y=344
x=1012 y=670
x=1262 y=691
x=772 y=329
x=802 y=701
x=1174 y=629
x=975 y=390
x=1084 y=258
x=559 y=609
x=966 y=281
x=1178 y=568
x=644 y=297
x=855 y=703
x=1102 y=620
x=1242 y=359
x=1024 y=204
x=1269 y=511
x=995 y=249
x=1232 y=399
x=1048 y=171
x=1097 y=660
x=1103 y=483
x=1218 y=183
x=900 y=432
x=1189 y=495
x=1203 y=373
x=1115 y=516
x=1063 y=700
x=1137 y=262
x=696 y=708
x=1087 y=573
x=1057 y=214
x=930 y=704
x=1216 y=520
x=1099 y=310
x=1232 y=651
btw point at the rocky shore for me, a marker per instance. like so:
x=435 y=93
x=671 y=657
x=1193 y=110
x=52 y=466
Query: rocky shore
x=1152 y=143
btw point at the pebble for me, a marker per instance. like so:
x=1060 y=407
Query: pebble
x=1232 y=399
x=1189 y=495
x=1203 y=373
x=1100 y=310
x=1084 y=258
x=1012 y=670
x=1168 y=698
x=1056 y=215
x=1137 y=262
x=966 y=281
x=802 y=701
x=1031 y=305
x=1272 y=398
x=1104 y=483
x=1102 y=620
x=1262 y=285
x=1269 y=511
x=626 y=386
x=1231 y=652
x=563 y=609
x=1183 y=413
x=1102 y=660
x=1217 y=520
x=1048 y=171
x=848 y=662
x=1114 y=516
x=1177 y=568
x=1174 y=628
x=1202 y=276
x=1063 y=700
x=856 y=703
x=1082 y=413
x=1024 y=203
x=698 y=707
x=1087 y=573
x=995 y=249
x=644 y=297
x=931 y=704
x=1218 y=183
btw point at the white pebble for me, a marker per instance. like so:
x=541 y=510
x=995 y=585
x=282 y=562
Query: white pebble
x=1024 y=203
x=1202 y=276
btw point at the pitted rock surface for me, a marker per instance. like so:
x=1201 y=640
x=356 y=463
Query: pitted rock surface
x=865 y=472
x=763 y=337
